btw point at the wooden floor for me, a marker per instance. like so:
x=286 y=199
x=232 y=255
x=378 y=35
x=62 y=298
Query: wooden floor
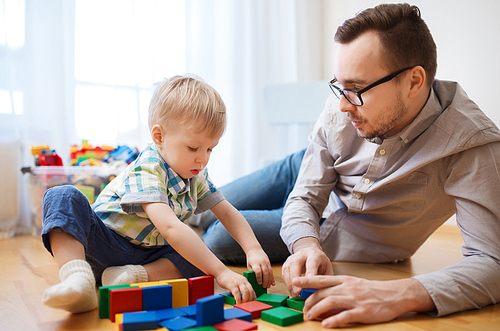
x=27 y=269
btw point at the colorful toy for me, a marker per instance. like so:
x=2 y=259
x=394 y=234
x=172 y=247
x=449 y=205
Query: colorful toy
x=282 y=316
x=88 y=151
x=232 y=313
x=236 y=325
x=180 y=292
x=259 y=290
x=228 y=298
x=254 y=307
x=157 y=297
x=104 y=299
x=141 y=320
x=210 y=310
x=178 y=323
x=124 y=300
x=200 y=287
x=296 y=303
x=274 y=300
x=307 y=292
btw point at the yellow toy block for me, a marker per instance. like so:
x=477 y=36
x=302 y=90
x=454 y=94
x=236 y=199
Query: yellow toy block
x=180 y=292
x=118 y=319
x=147 y=284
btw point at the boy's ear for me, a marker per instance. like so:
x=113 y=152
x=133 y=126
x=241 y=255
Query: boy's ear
x=157 y=134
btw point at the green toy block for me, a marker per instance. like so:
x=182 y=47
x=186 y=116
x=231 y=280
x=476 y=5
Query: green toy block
x=275 y=300
x=282 y=316
x=228 y=298
x=104 y=299
x=258 y=289
x=295 y=303
x=202 y=328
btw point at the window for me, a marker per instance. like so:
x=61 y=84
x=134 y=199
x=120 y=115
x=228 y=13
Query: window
x=12 y=36
x=121 y=49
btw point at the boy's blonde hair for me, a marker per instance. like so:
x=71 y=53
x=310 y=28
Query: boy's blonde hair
x=187 y=99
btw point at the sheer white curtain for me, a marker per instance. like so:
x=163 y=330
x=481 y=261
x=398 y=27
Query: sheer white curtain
x=83 y=69
x=239 y=47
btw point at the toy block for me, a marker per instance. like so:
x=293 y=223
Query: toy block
x=232 y=313
x=147 y=284
x=190 y=311
x=210 y=310
x=178 y=323
x=254 y=308
x=180 y=292
x=200 y=287
x=236 y=325
x=122 y=300
x=157 y=297
x=275 y=300
x=119 y=318
x=165 y=314
x=141 y=320
x=295 y=303
x=306 y=292
x=104 y=299
x=202 y=328
x=282 y=316
x=258 y=289
x=228 y=298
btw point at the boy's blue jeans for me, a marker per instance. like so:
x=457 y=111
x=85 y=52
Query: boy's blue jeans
x=260 y=197
x=66 y=209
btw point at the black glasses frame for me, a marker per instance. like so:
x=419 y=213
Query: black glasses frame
x=363 y=90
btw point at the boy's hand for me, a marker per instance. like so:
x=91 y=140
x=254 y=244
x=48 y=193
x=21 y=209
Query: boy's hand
x=238 y=285
x=258 y=261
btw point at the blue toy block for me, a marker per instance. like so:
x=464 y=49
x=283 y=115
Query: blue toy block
x=306 y=292
x=210 y=310
x=165 y=314
x=142 y=320
x=178 y=323
x=189 y=310
x=157 y=297
x=237 y=313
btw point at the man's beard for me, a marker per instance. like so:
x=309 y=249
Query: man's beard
x=386 y=122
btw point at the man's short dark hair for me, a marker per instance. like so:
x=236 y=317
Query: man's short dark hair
x=405 y=37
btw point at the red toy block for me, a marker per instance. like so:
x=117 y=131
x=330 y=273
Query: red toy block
x=200 y=287
x=254 y=308
x=236 y=325
x=124 y=300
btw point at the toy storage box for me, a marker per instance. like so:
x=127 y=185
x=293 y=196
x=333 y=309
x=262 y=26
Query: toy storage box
x=89 y=180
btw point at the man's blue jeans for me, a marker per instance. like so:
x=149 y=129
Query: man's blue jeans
x=260 y=197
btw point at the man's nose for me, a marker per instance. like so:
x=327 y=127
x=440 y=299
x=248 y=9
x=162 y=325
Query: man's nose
x=345 y=105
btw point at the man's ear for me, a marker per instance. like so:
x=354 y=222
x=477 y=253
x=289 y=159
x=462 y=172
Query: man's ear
x=417 y=80
x=157 y=134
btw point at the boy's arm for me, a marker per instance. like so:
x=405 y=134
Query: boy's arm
x=189 y=245
x=238 y=227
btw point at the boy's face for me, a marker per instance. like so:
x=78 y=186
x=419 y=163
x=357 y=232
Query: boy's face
x=185 y=148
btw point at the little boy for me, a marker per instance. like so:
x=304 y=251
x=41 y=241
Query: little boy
x=134 y=232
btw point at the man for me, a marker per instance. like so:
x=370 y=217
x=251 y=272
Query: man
x=391 y=158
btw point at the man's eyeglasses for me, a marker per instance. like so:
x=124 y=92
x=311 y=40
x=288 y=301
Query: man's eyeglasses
x=354 y=96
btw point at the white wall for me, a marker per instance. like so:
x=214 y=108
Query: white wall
x=467 y=35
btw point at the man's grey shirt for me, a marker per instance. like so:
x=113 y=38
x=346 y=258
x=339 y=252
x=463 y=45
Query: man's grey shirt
x=385 y=197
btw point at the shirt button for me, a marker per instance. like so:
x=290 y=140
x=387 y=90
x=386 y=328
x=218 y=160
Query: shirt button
x=367 y=181
x=406 y=141
x=358 y=195
x=382 y=152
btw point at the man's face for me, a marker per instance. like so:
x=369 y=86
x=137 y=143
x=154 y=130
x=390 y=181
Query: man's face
x=385 y=110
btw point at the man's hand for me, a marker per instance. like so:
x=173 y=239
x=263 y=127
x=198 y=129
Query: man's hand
x=359 y=300
x=308 y=256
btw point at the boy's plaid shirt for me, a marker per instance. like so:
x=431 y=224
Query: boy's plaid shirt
x=150 y=179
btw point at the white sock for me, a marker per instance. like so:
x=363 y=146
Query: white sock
x=76 y=292
x=127 y=274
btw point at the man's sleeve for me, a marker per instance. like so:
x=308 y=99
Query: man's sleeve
x=474 y=181
x=309 y=197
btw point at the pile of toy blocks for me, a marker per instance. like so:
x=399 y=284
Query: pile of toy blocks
x=190 y=304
